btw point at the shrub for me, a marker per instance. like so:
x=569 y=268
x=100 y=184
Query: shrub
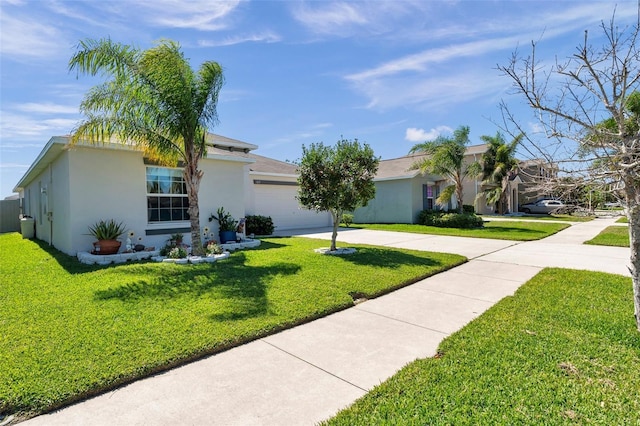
x=106 y=230
x=468 y=208
x=177 y=253
x=347 y=219
x=449 y=220
x=213 y=248
x=259 y=225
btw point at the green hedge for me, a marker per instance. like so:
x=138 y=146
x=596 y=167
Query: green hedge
x=259 y=225
x=444 y=219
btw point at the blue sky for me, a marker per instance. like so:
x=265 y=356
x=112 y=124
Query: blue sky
x=390 y=73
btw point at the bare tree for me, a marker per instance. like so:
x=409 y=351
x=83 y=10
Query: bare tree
x=589 y=108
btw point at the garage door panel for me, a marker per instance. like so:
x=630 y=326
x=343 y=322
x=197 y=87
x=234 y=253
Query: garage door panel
x=280 y=203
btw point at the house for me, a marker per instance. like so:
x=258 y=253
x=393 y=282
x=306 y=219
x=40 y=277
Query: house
x=402 y=191
x=70 y=187
x=533 y=175
x=271 y=189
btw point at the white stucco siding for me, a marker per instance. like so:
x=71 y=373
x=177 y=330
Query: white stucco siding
x=222 y=186
x=275 y=196
x=105 y=184
x=393 y=203
x=59 y=204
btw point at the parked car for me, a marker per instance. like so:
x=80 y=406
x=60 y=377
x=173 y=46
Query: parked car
x=544 y=206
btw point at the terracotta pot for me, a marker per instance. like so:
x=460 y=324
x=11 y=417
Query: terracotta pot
x=106 y=246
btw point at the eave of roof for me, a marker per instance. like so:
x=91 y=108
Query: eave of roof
x=50 y=152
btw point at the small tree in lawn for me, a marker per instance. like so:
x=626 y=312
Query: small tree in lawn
x=337 y=179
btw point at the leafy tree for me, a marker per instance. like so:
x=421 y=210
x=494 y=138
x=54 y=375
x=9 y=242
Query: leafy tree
x=498 y=161
x=153 y=100
x=445 y=157
x=589 y=107
x=337 y=179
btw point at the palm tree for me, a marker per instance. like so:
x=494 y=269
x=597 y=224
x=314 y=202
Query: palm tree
x=498 y=162
x=445 y=157
x=153 y=100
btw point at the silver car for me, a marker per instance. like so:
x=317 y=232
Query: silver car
x=543 y=206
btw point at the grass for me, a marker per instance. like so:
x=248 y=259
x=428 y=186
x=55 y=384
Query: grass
x=71 y=330
x=501 y=230
x=554 y=217
x=623 y=219
x=563 y=350
x=617 y=236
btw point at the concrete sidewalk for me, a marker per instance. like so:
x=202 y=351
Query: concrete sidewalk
x=306 y=374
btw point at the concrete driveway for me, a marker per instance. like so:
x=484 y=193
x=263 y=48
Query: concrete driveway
x=304 y=375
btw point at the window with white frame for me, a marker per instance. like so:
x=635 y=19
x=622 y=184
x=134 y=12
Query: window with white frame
x=167 y=199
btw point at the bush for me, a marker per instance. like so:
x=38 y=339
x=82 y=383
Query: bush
x=259 y=225
x=347 y=219
x=443 y=219
x=468 y=208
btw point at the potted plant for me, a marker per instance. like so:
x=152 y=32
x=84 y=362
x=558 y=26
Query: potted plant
x=227 y=225
x=106 y=232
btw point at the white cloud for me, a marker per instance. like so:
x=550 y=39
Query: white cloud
x=419 y=61
x=266 y=37
x=329 y=18
x=203 y=15
x=28 y=38
x=46 y=108
x=420 y=135
x=15 y=125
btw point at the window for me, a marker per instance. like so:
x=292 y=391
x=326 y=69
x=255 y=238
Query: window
x=429 y=193
x=167 y=199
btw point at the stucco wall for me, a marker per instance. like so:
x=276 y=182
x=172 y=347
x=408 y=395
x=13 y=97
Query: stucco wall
x=222 y=186
x=105 y=184
x=92 y=183
x=46 y=201
x=59 y=200
x=393 y=203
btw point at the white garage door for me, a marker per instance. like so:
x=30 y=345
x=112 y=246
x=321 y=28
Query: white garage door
x=279 y=202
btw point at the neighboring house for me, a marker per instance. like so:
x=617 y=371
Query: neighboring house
x=70 y=187
x=533 y=174
x=402 y=191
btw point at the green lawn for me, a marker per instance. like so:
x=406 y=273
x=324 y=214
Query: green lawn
x=563 y=350
x=617 y=236
x=554 y=217
x=501 y=230
x=69 y=330
x=623 y=219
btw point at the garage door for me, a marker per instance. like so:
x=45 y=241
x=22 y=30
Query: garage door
x=279 y=202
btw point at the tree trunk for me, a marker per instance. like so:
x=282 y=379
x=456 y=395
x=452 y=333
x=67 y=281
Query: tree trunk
x=192 y=177
x=502 y=200
x=459 y=195
x=633 y=215
x=336 y=215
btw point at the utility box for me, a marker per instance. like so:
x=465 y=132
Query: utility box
x=27 y=227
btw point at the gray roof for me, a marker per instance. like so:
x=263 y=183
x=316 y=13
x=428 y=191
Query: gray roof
x=401 y=167
x=227 y=144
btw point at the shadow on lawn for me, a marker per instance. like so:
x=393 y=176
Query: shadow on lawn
x=386 y=258
x=71 y=264
x=231 y=284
